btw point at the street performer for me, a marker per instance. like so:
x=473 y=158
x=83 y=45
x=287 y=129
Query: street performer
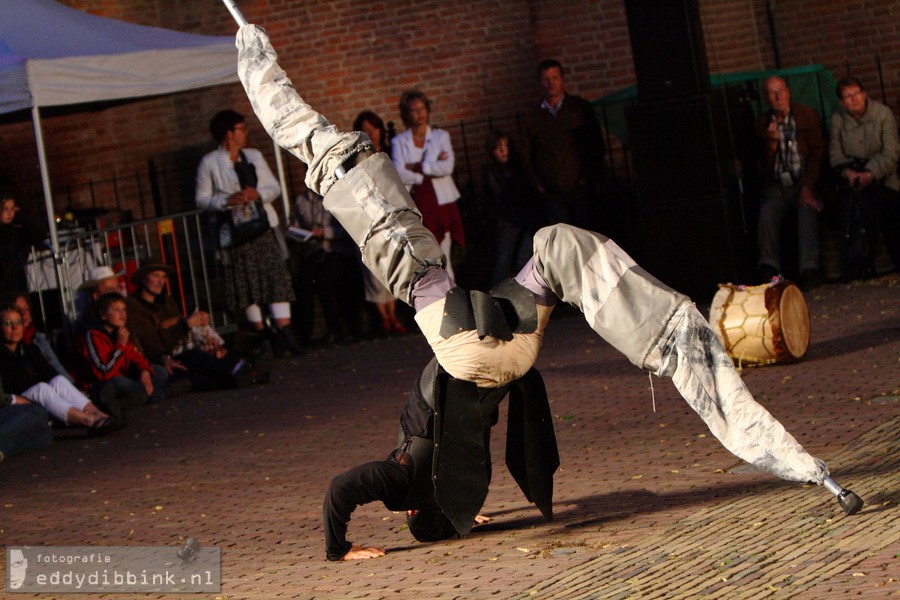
x=430 y=470
x=490 y=343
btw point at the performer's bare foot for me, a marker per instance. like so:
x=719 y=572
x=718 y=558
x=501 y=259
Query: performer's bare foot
x=359 y=553
x=482 y=519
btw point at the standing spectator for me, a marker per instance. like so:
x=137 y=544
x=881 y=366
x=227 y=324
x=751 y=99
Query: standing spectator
x=236 y=182
x=17 y=236
x=424 y=159
x=107 y=353
x=518 y=214
x=24 y=372
x=563 y=150
x=791 y=153
x=864 y=150
x=373 y=126
x=326 y=266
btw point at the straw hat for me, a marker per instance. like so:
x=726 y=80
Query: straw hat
x=97 y=274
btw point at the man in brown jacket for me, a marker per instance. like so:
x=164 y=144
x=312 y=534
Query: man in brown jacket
x=563 y=150
x=791 y=153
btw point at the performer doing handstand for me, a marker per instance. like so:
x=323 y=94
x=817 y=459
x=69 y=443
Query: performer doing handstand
x=473 y=339
x=444 y=460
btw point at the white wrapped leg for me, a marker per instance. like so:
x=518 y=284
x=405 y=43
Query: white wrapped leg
x=624 y=304
x=372 y=204
x=660 y=330
x=706 y=378
x=291 y=122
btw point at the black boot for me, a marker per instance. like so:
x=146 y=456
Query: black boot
x=284 y=340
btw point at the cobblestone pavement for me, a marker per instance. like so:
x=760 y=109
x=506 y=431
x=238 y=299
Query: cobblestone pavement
x=648 y=504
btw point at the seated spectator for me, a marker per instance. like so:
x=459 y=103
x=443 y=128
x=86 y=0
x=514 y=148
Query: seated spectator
x=25 y=372
x=791 y=153
x=98 y=281
x=325 y=264
x=106 y=353
x=516 y=206
x=864 y=151
x=31 y=334
x=17 y=236
x=155 y=320
x=24 y=426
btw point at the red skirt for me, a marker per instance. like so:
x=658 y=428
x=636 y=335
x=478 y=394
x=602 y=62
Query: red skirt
x=437 y=218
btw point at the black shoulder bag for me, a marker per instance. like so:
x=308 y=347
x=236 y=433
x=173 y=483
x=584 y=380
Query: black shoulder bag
x=245 y=222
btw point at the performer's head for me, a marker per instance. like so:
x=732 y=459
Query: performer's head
x=430 y=525
x=415 y=108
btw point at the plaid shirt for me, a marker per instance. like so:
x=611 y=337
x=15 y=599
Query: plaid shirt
x=787 y=157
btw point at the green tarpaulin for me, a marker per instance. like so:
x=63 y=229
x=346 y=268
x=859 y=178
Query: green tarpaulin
x=811 y=85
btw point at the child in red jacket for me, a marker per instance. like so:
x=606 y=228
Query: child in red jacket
x=107 y=353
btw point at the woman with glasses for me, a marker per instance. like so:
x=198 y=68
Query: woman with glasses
x=236 y=183
x=26 y=374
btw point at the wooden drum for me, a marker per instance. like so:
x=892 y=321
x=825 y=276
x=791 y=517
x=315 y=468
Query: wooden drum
x=761 y=324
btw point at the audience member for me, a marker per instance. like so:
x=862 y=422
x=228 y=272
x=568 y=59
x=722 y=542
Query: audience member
x=864 y=151
x=236 y=183
x=98 y=281
x=373 y=126
x=158 y=325
x=31 y=335
x=17 y=236
x=325 y=265
x=24 y=372
x=24 y=426
x=518 y=213
x=791 y=154
x=107 y=354
x=563 y=150
x=424 y=159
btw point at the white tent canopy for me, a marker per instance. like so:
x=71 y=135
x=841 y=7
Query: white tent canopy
x=65 y=56
x=53 y=55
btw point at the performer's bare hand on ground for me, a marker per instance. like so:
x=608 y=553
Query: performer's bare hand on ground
x=359 y=553
x=482 y=519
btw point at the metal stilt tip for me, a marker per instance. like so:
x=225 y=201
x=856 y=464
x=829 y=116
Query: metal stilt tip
x=850 y=502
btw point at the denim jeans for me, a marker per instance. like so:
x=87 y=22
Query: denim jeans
x=24 y=428
x=127 y=385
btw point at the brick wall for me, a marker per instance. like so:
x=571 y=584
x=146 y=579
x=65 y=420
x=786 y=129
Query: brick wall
x=475 y=59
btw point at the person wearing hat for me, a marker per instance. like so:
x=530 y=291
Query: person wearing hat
x=159 y=327
x=98 y=281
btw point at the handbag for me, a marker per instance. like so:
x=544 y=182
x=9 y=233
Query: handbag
x=243 y=223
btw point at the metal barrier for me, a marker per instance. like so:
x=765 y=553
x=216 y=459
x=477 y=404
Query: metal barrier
x=178 y=240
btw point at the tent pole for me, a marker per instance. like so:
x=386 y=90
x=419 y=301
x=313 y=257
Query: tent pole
x=282 y=180
x=51 y=214
x=45 y=179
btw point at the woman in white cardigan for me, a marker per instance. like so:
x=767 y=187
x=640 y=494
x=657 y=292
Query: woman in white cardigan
x=424 y=158
x=237 y=179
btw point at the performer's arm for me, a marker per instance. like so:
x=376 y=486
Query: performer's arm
x=385 y=480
